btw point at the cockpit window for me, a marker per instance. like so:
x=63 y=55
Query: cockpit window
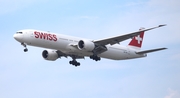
x=19 y=32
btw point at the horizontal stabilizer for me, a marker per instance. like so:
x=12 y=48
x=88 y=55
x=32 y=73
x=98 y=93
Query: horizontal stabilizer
x=148 y=51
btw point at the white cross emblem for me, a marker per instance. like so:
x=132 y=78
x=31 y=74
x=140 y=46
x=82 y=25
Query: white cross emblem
x=138 y=38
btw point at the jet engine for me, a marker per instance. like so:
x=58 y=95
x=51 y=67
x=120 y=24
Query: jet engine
x=86 y=45
x=50 y=55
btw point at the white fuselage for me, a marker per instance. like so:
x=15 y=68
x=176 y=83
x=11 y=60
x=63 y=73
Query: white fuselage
x=66 y=44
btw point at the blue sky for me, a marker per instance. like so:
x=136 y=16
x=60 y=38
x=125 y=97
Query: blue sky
x=28 y=75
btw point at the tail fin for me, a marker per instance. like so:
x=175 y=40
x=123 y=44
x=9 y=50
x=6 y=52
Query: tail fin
x=136 y=42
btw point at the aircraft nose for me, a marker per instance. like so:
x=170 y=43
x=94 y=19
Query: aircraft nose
x=17 y=37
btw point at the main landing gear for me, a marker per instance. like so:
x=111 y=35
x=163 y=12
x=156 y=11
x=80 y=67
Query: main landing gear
x=95 y=57
x=24 y=45
x=74 y=62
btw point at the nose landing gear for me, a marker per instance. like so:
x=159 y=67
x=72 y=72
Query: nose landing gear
x=25 y=50
x=24 y=45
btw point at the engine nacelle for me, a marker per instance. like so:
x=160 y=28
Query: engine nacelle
x=86 y=45
x=50 y=55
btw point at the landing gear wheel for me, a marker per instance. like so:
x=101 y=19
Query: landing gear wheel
x=95 y=57
x=25 y=50
x=70 y=62
x=78 y=64
x=74 y=62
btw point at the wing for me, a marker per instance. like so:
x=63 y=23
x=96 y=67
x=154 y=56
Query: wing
x=117 y=39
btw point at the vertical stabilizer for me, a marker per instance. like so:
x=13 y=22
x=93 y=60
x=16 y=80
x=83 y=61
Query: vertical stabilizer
x=136 y=41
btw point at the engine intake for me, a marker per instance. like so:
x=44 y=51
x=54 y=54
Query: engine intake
x=86 y=45
x=50 y=55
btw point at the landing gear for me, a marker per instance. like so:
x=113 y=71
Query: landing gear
x=74 y=62
x=95 y=57
x=24 y=45
x=25 y=50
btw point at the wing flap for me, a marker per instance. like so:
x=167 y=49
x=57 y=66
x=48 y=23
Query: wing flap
x=152 y=50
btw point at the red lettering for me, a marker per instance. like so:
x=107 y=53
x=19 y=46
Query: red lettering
x=54 y=37
x=45 y=36
x=41 y=35
x=36 y=34
x=50 y=37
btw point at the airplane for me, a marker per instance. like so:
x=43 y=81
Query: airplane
x=59 y=45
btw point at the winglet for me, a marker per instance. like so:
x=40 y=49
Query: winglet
x=162 y=25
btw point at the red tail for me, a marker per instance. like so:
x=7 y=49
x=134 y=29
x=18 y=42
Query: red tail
x=136 y=42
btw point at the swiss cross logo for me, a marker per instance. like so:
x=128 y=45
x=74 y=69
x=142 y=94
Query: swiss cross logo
x=139 y=39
